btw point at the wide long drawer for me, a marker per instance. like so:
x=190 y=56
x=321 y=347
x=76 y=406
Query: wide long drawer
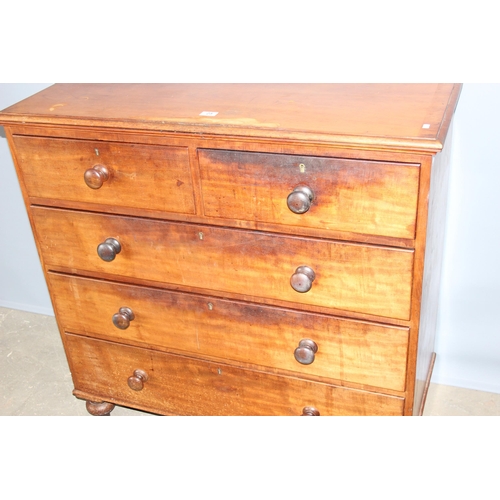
x=357 y=196
x=352 y=277
x=351 y=351
x=181 y=385
x=138 y=176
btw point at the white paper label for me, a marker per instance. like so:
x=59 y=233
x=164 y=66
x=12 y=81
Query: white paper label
x=426 y=125
x=209 y=113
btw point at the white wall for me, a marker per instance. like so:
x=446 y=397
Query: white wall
x=468 y=341
x=468 y=337
x=22 y=285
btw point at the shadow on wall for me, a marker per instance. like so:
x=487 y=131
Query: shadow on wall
x=2 y=133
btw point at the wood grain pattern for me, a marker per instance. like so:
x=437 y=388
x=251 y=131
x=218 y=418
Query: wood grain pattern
x=186 y=386
x=362 y=278
x=393 y=115
x=349 y=195
x=193 y=144
x=351 y=351
x=208 y=321
x=147 y=177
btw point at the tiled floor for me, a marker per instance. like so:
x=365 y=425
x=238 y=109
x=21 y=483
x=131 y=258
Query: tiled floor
x=35 y=379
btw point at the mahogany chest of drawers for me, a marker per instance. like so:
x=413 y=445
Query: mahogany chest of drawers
x=240 y=249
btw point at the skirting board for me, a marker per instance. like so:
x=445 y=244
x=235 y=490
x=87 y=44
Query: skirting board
x=47 y=311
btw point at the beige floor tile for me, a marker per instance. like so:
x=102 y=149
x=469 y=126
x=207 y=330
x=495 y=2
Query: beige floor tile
x=445 y=400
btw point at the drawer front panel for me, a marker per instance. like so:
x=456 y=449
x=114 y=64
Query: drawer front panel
x=374 y=198
x=359 y=278
x=185 y=386
x=352 y=351
x=140 y=176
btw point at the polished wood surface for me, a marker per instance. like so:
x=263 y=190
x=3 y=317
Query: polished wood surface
x=147 y=177
x=361 y=278
x=196 y=143
x=240 y=249
x=188 y=386
x=404 y=116
x=352 y=351
x=348 y=195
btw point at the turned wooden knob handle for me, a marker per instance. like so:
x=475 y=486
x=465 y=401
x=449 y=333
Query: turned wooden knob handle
x=309 y=411
x=96 y=176
x=123 y=318
x=300 y=199
x=305 y=352
x=108 y=249
x=302 y=279
x=136 y=381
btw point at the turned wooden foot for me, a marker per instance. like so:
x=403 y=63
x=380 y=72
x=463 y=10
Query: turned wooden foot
x=100 y=409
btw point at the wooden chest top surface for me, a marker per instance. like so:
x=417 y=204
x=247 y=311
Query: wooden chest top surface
x=384 y=116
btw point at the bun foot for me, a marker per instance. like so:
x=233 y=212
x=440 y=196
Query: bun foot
x=100 y=409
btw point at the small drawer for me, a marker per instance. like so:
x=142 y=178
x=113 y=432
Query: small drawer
x=128 y=175
x=271 y=337
x=356 y=196
x=172 y=384
x=351 y=277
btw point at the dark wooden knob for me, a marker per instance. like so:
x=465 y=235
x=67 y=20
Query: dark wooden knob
x=96 y=176
x=136 y=381
x=305 y=352
x=309 y=411
x=302 y=279
x=300 y=199
x=123 y=318
x=108 y=249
